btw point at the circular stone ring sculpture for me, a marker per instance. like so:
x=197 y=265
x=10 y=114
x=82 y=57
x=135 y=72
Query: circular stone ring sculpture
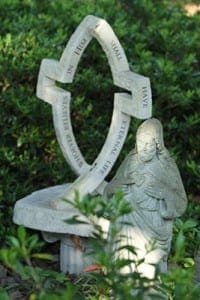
x=43 y=212
x=138 y=104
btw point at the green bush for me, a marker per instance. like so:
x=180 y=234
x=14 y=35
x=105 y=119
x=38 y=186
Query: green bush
x=160 y=42
x=107 y=282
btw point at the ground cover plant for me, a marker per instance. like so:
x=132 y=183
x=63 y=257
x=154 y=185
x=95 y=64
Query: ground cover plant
x=162 y=42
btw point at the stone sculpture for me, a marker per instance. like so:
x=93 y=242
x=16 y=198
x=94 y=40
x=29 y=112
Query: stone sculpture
x=148 y=176
x=152 y=184
x=136 y=103
x=45 y=209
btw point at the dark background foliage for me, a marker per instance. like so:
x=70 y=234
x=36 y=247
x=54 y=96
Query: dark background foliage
x=160 y=42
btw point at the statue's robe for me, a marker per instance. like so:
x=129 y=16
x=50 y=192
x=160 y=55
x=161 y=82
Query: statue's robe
x=164 y=182
x=156 y=193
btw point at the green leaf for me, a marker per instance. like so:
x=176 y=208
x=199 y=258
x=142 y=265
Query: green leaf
x=189 y=224
x=33 y=241
x=75 y=221
x=15 y=242
x=188 y=262
x=180 y=244
x=21 y=233
x=3 y=294
x=46 y=256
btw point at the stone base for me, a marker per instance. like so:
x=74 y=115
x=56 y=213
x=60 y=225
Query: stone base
x=74 y=255
x=35 y=211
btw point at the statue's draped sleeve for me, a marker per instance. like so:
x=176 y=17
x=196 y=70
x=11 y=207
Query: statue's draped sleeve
x=175 y=196
x=166 y=185
x=162 y=182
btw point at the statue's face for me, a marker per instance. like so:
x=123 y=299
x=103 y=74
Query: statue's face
x=146 y=147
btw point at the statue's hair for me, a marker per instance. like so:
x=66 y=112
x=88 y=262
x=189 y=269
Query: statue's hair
x=154 y=128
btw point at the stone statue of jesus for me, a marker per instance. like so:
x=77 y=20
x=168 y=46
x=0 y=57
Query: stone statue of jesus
x=152 y=184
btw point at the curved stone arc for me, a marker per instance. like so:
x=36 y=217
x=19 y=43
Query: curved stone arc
x=111 y=46
x=72 y=53
x=92 y=180
x=74 y=49
x=65 y=136
x=139 y=105
x=49 y=92
x=90 y=27
x=57 y=70
x=125 y=104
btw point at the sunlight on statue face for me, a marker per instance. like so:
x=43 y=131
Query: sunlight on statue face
x=146 y=147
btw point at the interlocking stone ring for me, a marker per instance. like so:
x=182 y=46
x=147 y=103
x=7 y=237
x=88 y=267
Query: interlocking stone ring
x=137 y=103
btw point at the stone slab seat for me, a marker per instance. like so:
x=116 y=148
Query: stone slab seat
x=34 y=211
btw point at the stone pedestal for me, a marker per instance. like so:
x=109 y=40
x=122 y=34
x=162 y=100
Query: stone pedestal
x=74 y=255
x=35 y=211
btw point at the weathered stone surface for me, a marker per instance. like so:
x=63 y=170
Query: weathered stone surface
x=35 y=211
x=152 y=185
x=74 y=254
x=138 y=104
x=45 y=210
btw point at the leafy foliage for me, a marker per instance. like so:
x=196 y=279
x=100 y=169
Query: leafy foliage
x=107 y=281
x=160 y=42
